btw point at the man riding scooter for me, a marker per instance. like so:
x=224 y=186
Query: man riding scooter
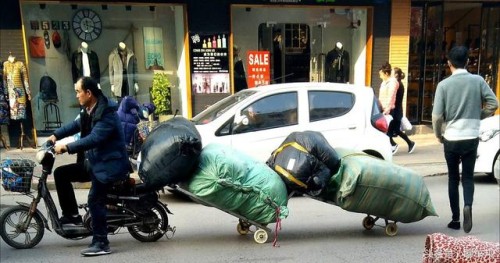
x=105 y=161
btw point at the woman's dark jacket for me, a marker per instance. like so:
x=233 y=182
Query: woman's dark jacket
x=102 y=139
x=128 y=112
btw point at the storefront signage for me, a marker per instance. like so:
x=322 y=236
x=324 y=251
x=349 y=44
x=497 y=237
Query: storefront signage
x=209 y=63
x=258 y=65
x=153 y=48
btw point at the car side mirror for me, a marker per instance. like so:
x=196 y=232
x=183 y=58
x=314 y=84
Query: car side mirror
x=241 y=120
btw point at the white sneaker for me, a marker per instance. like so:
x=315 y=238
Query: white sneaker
x=412 y=147
x=395 y=149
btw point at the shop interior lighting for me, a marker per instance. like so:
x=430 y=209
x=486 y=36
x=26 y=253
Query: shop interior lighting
x=152 y=8
x=104 y=7
x=128 y=7
x=42 y=6
x=74 y=7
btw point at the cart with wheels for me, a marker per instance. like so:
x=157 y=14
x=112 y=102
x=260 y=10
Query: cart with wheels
x=239 y=185
x=379 y=189
x=245 y=226
x=370 y=221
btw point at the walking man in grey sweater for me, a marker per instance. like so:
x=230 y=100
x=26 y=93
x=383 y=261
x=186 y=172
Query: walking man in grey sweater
x=461 y=101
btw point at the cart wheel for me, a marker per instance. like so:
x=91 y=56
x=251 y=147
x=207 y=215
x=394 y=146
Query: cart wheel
x=368 y=222
x=391 y=229
x=242 y=229
x=260 y=236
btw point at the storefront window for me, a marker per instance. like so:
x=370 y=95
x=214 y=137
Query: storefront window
x=305 y=44
x=118 y=45
x=490 y=37
x=435 y=29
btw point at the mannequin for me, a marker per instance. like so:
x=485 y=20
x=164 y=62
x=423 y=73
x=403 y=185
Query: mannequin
x=15 y=80
x=277 y=55
x=240 y=80
x=337 y=65
x=85 y=63
x=123 y=71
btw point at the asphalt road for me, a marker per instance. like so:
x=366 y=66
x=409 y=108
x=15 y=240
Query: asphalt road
x=313 y=232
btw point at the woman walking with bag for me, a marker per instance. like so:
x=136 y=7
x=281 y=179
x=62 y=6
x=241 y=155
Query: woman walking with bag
x=391 y=97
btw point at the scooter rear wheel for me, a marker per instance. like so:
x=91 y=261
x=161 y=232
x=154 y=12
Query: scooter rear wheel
x=154 y=225
x=11 y=224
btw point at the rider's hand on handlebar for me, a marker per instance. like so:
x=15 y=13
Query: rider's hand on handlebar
x=52 y=138
x=61 y=148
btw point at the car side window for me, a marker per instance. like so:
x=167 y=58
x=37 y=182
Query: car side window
x=270 y=112
x=329 y=104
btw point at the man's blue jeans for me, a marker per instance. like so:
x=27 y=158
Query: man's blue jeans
x=463 y=151
x=97 y=207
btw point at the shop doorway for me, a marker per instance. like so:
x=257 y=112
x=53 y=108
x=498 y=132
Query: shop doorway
x=435 y=29
x=290 y=50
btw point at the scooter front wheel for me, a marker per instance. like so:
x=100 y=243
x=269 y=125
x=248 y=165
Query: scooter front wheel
x=14 y=230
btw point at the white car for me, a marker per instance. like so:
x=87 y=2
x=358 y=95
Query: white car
x=488 y=151
x=257 y=120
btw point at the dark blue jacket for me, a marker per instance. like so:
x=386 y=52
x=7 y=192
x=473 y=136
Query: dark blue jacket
x=104 y=145
x=128 y=112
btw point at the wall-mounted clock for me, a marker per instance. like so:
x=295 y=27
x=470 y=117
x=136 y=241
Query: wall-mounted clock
x=87 y=25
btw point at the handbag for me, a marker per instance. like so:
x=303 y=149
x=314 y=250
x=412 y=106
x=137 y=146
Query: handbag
x=388 y=119
x=37 y=47
x=406 y=124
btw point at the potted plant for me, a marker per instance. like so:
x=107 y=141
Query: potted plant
x=160 y=94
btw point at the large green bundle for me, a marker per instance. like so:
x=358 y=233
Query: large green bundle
x=233 y=181
x=365 y=184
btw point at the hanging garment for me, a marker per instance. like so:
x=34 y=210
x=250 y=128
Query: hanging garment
x=337 y=66
x=119 y=75
x=77 y=65
x=15 y=77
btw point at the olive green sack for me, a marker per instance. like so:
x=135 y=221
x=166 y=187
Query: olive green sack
x=369 y=185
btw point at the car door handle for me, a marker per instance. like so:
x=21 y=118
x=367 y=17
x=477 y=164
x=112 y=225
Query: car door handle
x=352 y=127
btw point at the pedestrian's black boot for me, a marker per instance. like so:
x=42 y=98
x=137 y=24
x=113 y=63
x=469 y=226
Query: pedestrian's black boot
x=467 y=218
x=454 y=225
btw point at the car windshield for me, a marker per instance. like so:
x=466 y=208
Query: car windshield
x=216 y=110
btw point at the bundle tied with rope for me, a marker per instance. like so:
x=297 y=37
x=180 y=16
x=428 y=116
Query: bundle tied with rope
x=305 y=161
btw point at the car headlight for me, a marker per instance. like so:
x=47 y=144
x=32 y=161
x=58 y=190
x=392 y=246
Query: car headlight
x=486 y=135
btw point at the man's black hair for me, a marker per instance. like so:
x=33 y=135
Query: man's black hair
x=458 y=56
x=89 y=83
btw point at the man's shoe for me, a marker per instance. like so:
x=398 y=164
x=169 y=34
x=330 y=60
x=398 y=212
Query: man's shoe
x=96 y=249
x=71 y=220
x=412 y=147
x=467 y=218
x=395 y=149
x=454 y=225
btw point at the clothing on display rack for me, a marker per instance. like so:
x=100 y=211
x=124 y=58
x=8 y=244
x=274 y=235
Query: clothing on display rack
x=15 y=80
x=240 y=79
x=123 y=71
x=337 y=65
x=85 y=63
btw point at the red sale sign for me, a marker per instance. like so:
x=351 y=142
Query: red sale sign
x=258 y=65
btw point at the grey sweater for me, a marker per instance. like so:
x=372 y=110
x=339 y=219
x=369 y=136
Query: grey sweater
x=461 y=101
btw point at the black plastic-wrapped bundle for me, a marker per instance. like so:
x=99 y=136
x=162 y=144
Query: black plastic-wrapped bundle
x=170 y=153
x=305 y=161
